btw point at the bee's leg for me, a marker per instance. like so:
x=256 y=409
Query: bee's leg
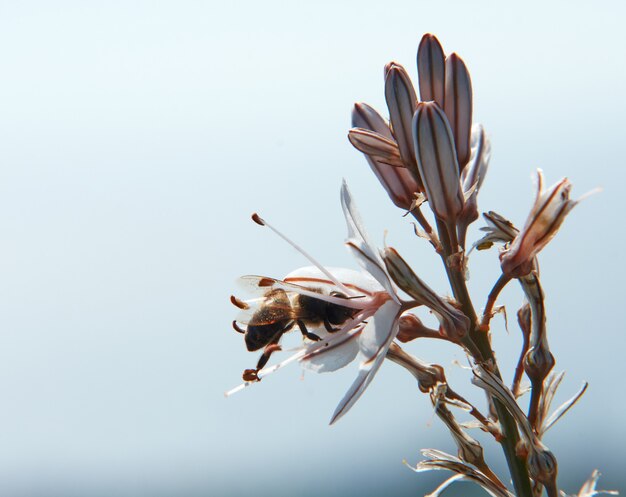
x=252 y=374
x=307 y=333
x=329 y=327
x=238 y=328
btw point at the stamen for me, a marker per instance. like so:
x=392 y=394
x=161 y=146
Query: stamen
x=257 y=219
x=260 y=221
x=238 y=388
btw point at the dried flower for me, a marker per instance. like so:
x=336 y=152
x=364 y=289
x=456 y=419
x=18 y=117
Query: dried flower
x=589 y=487
x=427 y=375
x=545 y=218
x=498 y=229
x=545 y=420
x=438 y=460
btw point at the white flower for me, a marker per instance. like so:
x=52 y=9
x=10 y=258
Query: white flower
x=370 y=295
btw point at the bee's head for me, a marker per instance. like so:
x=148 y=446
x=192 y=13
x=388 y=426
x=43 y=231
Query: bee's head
x=256 y=337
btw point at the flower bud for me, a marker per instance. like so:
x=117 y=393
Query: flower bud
x=542 y=465
x=473 y=175
x=454 y=324
x=372 y=136
x=402 y=101
x=545 y=218
x=431 y=68
x=437 y=162
x=458 y=106
x=376 y=146
x=365 y=116
x=411 y=327
x=538 y=362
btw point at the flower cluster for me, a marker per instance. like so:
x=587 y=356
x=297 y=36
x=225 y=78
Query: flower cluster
x=428 y=153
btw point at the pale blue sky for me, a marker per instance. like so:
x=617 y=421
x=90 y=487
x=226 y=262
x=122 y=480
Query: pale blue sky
x=135 y=140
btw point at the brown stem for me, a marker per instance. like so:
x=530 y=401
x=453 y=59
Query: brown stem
x=491 y=301
x=451 y=394
x=523 y=318
x=421 y=219
x=517 y=466
x=535 y=399
x=538 y=361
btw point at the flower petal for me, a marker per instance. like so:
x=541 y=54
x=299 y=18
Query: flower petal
x=340 y=349
x=376 y=338
x=358 y=243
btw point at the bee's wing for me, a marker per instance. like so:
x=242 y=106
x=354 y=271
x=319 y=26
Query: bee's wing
x=318 y=288
x=272 y=306
x=261 y=285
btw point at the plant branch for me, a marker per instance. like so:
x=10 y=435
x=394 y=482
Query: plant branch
x=517 y=465
x=491 y=301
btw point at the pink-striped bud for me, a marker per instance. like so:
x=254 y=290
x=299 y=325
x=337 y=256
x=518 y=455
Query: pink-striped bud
x=431 y=68
x=373 y=137
x=401 y=101
x=458 y=106
x=437 y=162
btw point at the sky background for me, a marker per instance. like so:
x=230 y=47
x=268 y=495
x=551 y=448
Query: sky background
x=135 y=140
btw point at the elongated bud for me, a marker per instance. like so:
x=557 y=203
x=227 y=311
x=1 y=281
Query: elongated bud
x=376 y=145
x=454 y=324
x=437 y=162
x=365 y=116
x=402 y=101
x=431 y=68
x=458 y=106
x=383 y=156
x=472 y=177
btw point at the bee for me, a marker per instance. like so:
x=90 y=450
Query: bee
x=283 y=306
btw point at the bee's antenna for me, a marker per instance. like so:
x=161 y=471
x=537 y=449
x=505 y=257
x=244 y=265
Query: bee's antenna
x=237 y=328
x=260 y=221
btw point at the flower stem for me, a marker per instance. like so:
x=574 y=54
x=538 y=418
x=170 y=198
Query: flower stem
x=517 y=465
x=491 y=301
